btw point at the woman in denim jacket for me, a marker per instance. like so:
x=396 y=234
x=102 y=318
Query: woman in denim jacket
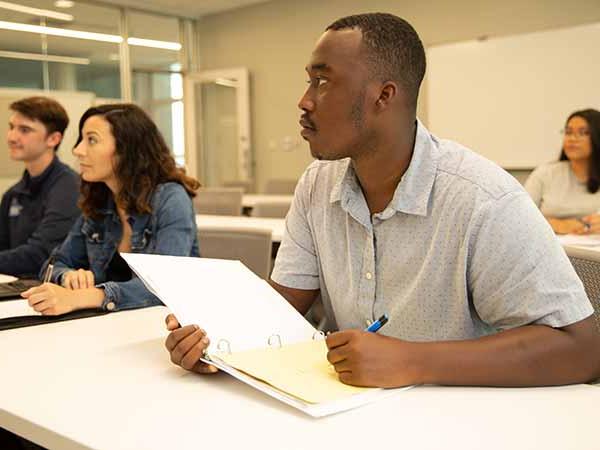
x=133 y=199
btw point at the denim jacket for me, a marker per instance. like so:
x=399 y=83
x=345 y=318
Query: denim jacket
x=170 y=229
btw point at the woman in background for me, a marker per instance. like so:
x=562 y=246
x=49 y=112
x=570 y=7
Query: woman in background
x=133 y=199
x=566 y=191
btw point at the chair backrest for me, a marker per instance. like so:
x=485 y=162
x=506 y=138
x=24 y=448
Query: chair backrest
x=246 y=185
x=280 y=186
x=251 y=246
x=220 y=201
x=587 y=265
x=270 y=208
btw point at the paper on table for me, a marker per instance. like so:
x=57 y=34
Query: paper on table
x=7 y=278
x=589 y=240
x=16 y=308
x=300 y=369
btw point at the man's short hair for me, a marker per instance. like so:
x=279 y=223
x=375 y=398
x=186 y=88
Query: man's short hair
x=393 y=49
x=46 y=110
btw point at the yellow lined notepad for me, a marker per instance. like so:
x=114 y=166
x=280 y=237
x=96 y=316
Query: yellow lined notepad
x=301 y=370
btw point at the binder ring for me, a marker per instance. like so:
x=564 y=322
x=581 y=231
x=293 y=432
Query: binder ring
x=270 y=341
x=318 y=335
x=224 y=342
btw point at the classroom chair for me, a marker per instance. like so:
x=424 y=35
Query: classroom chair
x=246 y=185
x=587 y=265
x=280 y=186
x=270 y=208
x=219 y=201
x=251 y=246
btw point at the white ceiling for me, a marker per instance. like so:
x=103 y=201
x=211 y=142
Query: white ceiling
x=185 y=8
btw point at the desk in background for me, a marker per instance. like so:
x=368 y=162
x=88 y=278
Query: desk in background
x=277 y=226
x=107 y=383
x=591 y=242
x=249 y=200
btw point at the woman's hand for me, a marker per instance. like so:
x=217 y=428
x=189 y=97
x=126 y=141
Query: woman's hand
x=567 y=226
x=591 y=224
x=52 y=300
x=78 y=279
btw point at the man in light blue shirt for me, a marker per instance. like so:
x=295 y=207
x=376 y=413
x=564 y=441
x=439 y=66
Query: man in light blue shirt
x=393 y=220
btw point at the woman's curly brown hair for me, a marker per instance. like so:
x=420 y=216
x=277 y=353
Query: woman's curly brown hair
x=142 y=162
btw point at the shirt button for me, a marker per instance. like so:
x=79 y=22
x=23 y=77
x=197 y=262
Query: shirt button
x=110 y=306
x=368 y=275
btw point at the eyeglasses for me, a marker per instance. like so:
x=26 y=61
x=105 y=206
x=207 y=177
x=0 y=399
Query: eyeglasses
x=577 y=134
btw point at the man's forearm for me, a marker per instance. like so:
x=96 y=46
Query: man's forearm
x=533 y=355
x=300 y=299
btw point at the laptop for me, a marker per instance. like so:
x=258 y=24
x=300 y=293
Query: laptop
x=13 y=289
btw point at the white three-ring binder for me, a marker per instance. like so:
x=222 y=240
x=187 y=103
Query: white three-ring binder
x=255 y=334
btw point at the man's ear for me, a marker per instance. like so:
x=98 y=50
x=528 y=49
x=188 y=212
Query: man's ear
x=387 y=94
x=53 y=139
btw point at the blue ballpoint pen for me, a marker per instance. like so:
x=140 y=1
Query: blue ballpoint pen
x=375 y=326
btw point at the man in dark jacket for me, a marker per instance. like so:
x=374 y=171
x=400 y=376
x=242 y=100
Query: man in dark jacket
x=36 y=213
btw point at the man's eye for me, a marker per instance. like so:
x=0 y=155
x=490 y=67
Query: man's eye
x=91 y=140
x=317 y=82
x=320 y=81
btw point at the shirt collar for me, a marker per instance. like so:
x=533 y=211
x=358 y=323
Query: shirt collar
x=412 y=193
x=137 y=221
x=32 y=185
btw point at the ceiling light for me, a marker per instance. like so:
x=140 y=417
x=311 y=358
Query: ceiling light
x=102 y=37
x=166 y=45
x=42 y=57
x=64 y=3
x=36 y=11
x=60 y=32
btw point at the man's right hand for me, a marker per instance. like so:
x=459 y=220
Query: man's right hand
x=186 y=345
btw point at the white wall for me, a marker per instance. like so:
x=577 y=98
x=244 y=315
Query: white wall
x=274 y=41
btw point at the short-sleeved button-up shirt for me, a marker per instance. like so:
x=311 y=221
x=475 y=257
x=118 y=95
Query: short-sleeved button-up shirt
x=461 y=251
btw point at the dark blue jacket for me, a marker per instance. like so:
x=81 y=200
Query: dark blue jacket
x=35 y=216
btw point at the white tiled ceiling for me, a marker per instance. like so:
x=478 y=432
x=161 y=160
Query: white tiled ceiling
x=186 y=8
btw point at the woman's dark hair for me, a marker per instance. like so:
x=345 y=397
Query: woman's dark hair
x=592 y=117
x=142 y=161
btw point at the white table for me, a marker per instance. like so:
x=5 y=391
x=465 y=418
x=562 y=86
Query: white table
x=249 y=200
x=107 y=383
x=590 y=242
x=277 y=226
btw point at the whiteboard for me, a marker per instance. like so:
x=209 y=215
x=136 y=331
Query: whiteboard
x=508 y=98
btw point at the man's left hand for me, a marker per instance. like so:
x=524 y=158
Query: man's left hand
x=363 y=358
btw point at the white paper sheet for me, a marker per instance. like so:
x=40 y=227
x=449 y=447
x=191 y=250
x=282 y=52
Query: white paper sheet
x=16 y=308
x=7 y=278
x=590 y=240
